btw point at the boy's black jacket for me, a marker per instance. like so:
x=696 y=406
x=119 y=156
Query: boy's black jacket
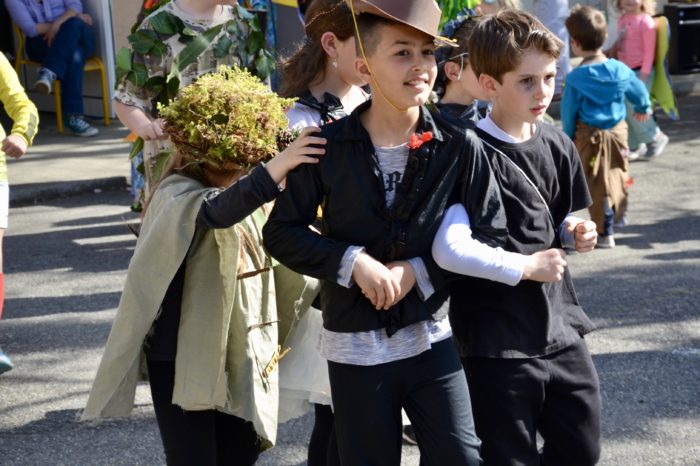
x=348 y=184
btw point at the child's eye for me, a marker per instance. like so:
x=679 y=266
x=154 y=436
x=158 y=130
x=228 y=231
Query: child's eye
x=549 y=77
x=402 y=53
x=429 y=52
x=526 y=80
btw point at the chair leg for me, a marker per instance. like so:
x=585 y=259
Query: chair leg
x=105 y=95
x=57 y=104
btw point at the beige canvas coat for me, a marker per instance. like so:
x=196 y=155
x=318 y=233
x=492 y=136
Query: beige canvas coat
x=227 y=350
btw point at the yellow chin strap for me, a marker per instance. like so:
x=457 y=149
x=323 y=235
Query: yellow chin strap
x=369 y=68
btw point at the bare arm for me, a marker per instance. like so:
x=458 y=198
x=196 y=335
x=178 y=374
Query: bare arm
x=139 y=122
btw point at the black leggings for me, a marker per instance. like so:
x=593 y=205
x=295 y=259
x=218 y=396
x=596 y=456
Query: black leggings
x=323 y=446
x=204 y=438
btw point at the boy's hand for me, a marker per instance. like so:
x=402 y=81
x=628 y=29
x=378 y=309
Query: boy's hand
x=14 y=145
x=151 y=131
x=405 y=276
x=545 y=266
x=641 y=117
x=300 y=151
x=585 y=235
x=377 y=282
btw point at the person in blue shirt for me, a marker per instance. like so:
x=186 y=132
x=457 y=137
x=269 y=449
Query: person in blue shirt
x=60 y=37
x=593 y=116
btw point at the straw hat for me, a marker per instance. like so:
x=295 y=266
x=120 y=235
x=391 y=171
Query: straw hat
x=423 y=15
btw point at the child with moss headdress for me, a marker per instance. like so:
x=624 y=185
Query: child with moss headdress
x=164 y=57
x=203 y=302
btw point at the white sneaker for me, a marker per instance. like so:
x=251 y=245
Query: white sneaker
x=635 y=154
x=605 y=242
x=654 y=149
x=45 y=81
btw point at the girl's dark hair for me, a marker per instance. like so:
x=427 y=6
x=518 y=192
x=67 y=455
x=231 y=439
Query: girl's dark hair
x=307 y=64
x=460 y=30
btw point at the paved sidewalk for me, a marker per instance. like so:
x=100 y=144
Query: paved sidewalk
x=63 y=164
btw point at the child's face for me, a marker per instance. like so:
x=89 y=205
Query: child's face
x=526 y=91
x=630 y=6
x=403 y=63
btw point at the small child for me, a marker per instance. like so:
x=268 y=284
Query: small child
x=593 y=116
x=527 y=365
x=636 y=48
x=461 y=98
x=26 y=122
x=388 y=173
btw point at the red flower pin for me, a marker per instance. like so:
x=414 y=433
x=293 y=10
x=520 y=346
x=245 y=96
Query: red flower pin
x=417 y=140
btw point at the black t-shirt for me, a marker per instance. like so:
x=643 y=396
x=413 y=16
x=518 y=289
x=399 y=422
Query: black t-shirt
x=491 y=319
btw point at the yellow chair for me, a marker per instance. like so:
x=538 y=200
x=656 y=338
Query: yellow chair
x=92 y=64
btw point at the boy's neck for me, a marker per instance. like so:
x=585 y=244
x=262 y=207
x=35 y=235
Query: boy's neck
x=520 y=130
x=453 y=95
x=206 y=10
x=592 y=56
x=388 y=127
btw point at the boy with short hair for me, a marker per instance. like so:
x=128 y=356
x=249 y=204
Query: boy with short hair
x=387 y=175
x=527 y=364
x=593 y=116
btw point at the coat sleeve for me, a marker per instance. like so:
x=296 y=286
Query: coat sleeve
x=287 y=235
x=17 y=105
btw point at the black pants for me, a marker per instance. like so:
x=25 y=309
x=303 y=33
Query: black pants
x=556 y=395
x=205 y=438
x=323 y=446
x=432 y=389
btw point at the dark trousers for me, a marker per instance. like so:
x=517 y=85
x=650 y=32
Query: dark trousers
x=66 y=57
x=557 y=395
x=323 y=445
x=205 y=438
x=432 y=389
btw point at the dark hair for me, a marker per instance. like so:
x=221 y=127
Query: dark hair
x=460 y=30
x=369 y=26
x=587 y=26
x=307 y=64
x=499 y=41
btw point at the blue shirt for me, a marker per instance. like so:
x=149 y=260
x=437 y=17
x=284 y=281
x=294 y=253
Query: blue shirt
x=595 y=94
x=28 y=13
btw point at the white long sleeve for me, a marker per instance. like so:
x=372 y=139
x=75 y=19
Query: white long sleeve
x=455 y=250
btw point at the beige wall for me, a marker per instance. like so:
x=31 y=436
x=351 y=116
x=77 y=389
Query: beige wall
x=124 y=14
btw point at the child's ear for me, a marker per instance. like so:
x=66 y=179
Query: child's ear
x=452 y=70
x=362 y=69
x=329 y=44
x=489 y=85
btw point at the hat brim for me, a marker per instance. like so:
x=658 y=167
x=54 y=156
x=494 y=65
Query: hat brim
x=362 y=6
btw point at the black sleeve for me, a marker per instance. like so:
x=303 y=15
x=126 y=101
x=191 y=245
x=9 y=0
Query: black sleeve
x=287 y=235
x=481 y=196
x=225 y=208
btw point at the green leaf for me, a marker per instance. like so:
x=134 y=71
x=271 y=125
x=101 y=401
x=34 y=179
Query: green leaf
x=136 y=148
x=256 y=41
x=159 y=49
x=186 y=31
x=140 y=74
x=172 y=85
x=243 y=13
x=222 y=46
x=156 y=84
x=193 y=50
x=160 y=166
x=264 y=65
x=124 y=59
x=144 y=40
x=164 y=23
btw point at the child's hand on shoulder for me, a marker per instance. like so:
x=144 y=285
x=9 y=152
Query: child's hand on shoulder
x=14 y=145
x=301 y=150
x=377 y=282
x=545 y=266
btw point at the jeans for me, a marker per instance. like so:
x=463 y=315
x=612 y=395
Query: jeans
x=431 y=387
x=66 y=57
x=640 y=132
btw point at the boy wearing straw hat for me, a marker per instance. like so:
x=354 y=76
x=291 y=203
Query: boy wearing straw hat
x=389 y=171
